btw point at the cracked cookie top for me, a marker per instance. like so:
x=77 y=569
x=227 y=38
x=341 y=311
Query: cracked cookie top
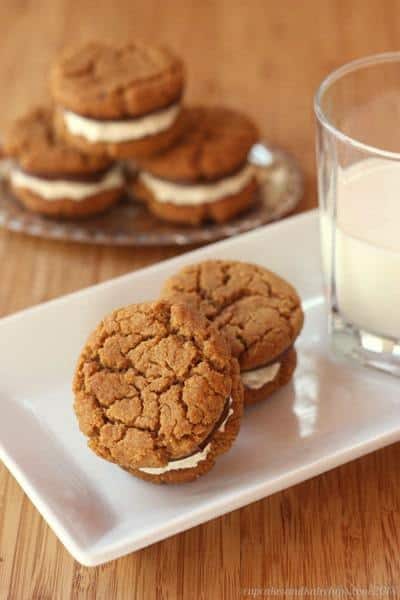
x=32 y=141
x=111 y=82
x=152 y=383
x=215 y=144
x=259 y=313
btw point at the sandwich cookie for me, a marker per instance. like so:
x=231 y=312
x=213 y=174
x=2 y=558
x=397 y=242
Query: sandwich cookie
x=205 y=175
x=51 y=178
x=157 y=392
x=121 y=101
x=258 y=312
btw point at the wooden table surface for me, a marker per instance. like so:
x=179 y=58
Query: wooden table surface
x=339 y=530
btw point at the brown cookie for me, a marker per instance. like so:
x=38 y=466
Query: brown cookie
x=281 y=372
x=219 y=211
x=33 y=143
x=205 y=175
x=54 y=179
x=157 y=392
x=65 y=208
x=119 y=100
x=258 y=312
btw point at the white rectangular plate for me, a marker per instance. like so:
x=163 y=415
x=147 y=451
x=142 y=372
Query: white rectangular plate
x=331 y=413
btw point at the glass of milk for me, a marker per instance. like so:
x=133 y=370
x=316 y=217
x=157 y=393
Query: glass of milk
x=357 y=111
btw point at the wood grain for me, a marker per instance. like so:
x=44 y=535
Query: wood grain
x=267 y=57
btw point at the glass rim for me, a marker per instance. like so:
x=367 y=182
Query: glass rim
x=337 y=74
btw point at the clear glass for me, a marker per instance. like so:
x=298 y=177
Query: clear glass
x=357 y=110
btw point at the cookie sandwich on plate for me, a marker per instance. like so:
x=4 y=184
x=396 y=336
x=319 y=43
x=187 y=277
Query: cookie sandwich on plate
x=52 y=178
x=258 y=312
x=157 y=392
x=205 y=176
x=123 y=101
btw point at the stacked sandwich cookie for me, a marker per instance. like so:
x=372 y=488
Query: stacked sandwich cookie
x=157 y=392
x=53 y=178
x=258 y=312
x=125 y=103
x=122 y=101
x=205 y=175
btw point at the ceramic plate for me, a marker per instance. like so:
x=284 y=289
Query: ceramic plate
x=130 y=224
x=331 y=413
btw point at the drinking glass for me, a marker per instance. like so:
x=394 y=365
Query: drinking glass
x=357 y=110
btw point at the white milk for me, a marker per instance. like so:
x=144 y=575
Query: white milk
x=367 y=258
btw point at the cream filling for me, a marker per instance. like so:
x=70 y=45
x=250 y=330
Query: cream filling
x=186 y=194
x=120 y=131
x=190 y=461
x=256 y=379
x=55 y=189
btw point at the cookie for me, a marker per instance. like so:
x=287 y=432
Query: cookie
x=205 y=175
x=123 y=101
x=258 y=312
x=51 y=178
x=157 y=392
x=260 y=383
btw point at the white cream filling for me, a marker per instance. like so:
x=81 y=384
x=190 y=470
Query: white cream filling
x=190 y=461
x=94 y=130
x=256 y=379
x=55 y=189
x=186 y=194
